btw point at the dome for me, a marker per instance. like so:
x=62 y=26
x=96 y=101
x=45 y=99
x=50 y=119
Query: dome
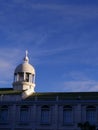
x=25 y=67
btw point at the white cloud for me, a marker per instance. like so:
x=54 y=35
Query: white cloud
x=78 y=86
x=76 y=81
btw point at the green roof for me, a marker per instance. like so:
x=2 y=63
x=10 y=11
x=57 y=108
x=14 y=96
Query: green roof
x=64 y=95
x=53 y=95
x=7 y=91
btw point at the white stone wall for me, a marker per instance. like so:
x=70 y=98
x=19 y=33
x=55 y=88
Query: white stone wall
x=56 y=108
x=12 y=97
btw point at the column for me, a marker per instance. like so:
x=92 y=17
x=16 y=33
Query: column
x=55 y=117
x=13 y=116
x=77 y=114
x=33 y=117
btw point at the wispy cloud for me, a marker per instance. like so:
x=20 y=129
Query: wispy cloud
x=53 y=34
x=78 y=86
x=8 y=60
x=75 y=81
x=80 y=10
x=72 y=86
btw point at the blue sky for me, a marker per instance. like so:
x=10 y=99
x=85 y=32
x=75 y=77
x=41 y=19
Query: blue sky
x=61 y=37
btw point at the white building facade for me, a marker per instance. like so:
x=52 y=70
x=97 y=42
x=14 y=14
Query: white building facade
x=21 y=108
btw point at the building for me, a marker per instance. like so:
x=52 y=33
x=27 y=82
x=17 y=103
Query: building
x=23 y=109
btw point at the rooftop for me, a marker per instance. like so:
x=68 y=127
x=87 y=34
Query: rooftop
x=64 y=95
x=8 y=91
x=53 y=95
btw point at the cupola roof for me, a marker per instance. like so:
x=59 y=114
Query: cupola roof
x=25 y=66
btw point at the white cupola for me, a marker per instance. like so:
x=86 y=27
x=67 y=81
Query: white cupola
x=24 y=76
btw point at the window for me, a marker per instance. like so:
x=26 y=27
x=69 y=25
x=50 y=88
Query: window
x=15 y=77
x=4 y=114
x=24 y=113
x=33 y=78
x=45 y=114
x=21 y=76
x=30 y=78
x=67 y=115
x=91 y=114
x=27 y=77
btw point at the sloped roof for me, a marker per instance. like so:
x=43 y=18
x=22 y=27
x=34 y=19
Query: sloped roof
x=53 y=95
x=8 y=91
x=64 y=96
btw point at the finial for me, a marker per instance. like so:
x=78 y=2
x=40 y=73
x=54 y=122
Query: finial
x=26 y=59
x=26 y=53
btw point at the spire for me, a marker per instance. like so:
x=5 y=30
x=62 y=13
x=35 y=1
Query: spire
x=26 y=59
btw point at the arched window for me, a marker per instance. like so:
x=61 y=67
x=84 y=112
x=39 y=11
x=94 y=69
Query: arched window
x=24 y=113
x=67 y=114
x=4 y=114
x=45 y=114
x=91 y=114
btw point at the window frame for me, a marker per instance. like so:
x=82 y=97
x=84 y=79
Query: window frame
x=4 y=111
x=91 y=118
x=68 y=115
x=45 y=110
x=24 y=110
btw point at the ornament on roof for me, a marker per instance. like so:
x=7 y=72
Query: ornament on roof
x=26 y=59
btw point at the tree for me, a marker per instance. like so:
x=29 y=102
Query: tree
x=86 y=126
